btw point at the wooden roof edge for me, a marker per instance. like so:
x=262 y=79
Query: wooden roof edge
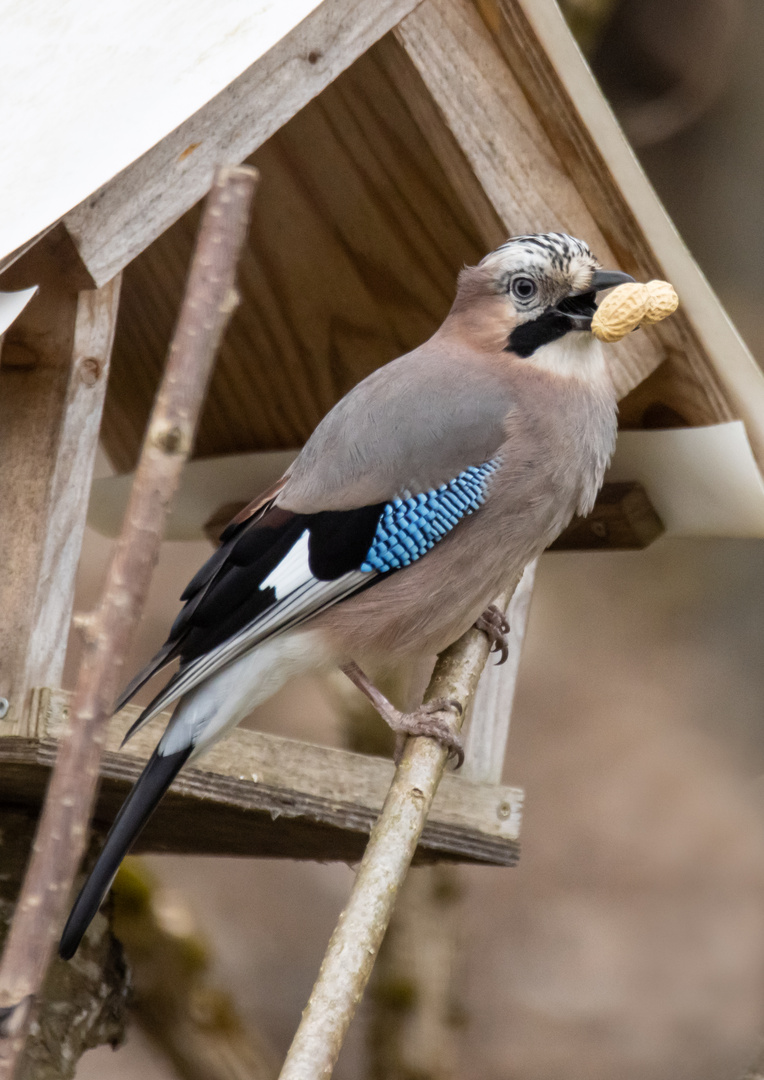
x=737 y=371
x=119 y=220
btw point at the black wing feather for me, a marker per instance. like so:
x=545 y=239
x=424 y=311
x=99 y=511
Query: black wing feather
x=224 y=596
x=165 y=656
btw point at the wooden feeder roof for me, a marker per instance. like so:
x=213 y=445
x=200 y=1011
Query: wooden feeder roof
x=396 y=140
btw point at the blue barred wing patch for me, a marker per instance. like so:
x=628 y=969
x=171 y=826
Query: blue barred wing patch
x=408 y=528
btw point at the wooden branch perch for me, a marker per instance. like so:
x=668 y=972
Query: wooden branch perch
x=416 y=988
x=356 y=940
x=209 y=300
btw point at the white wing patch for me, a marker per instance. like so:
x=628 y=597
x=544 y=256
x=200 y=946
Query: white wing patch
x=293 y=570
x=304 y=600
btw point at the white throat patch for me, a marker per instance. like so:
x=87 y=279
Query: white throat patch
x=577 y=355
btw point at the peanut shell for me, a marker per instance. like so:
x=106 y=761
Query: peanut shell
x=663 y=301
x=621 y=311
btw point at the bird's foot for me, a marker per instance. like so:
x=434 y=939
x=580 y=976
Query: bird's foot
x=435 y=720
x=493 y=622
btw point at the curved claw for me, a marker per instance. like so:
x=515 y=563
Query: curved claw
x=493 y=622
x=426 y=721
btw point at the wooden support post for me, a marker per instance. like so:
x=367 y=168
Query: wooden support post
x=53 y=373
x=491 y=711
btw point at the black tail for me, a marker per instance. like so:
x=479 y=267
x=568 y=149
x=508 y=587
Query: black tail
x=137 y=808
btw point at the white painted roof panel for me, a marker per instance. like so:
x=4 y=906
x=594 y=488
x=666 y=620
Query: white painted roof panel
x=86 y=88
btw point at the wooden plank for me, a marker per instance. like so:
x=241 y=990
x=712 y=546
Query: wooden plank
x=515 y=162
x=213 y=491
x=257 y=794
x=356 y=241
x=623 y=519
x=52 y=385
x=121 y=219
x=710 y=375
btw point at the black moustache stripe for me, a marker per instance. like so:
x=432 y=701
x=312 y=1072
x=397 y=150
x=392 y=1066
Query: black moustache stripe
x=529 y=336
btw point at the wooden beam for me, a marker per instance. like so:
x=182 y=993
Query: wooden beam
x=53 y=377
x=116 y=223
x=257 y=794
x=461 y=68
x=435 y=133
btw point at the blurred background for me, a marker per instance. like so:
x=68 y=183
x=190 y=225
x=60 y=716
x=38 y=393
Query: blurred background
x=629 y=942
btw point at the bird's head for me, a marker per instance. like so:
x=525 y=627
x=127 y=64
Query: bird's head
x=533 y=291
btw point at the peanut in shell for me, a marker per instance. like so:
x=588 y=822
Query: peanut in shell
x=630 y=305
x=621 y=311
x=663 y=301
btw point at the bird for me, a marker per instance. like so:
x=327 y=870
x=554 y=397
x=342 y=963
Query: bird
x=418 y=497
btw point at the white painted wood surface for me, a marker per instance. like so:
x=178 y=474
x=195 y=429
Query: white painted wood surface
x=88 y=88
x=111 y=81
x=118 y=222
x=12 y=304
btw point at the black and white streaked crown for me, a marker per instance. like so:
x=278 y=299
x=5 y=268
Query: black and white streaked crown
x=558 y=250
x=557 y=262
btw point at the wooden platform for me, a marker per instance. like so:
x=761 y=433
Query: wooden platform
x=263 y=795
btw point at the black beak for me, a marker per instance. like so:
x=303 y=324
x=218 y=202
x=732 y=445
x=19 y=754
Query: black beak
x=606 y=279
x=580 y=306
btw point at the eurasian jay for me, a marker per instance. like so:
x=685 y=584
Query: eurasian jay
x=422 y=493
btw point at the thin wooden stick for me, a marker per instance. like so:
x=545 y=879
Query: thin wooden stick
x=355 y=942
x=209 y=300
x=422 y=948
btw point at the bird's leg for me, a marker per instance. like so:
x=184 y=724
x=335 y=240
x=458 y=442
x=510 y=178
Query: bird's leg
x=432 y=719
x=493 y=622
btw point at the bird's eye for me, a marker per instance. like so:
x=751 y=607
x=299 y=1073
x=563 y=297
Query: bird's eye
x=523 y=288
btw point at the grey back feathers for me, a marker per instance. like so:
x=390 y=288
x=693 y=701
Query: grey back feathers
x=412 y=425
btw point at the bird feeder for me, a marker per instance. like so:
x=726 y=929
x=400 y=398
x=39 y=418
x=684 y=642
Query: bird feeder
x=396 y=140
